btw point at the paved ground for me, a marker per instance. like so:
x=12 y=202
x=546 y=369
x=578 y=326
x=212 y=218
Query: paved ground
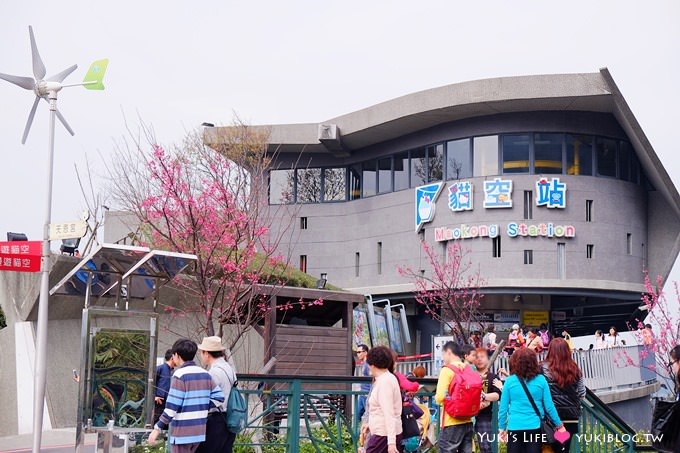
x=54 y=441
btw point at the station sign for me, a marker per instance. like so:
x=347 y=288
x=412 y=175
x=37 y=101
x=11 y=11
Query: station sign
x=513 y=230
x=20 y=256
x=550 y=193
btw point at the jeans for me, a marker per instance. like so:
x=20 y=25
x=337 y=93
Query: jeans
x=525 y=441
x=484 y=434
x=456 y=439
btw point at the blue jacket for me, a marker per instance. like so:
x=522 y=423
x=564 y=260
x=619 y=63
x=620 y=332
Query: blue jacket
x=163 y=378
x=515 y=412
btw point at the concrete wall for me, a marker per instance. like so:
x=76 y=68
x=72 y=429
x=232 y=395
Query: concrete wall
x=636 y=412
x=64 y=356
x=335 y=232
x=8 y=382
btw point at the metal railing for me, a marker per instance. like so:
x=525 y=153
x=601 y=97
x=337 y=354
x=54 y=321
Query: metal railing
x=310 y=414
x=603 y=369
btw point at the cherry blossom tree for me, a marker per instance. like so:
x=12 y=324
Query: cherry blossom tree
x=212 y=203
x=663 y=314
x=449 y=289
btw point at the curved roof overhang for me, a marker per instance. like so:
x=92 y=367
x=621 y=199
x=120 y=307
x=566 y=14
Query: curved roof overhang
x=590 y=92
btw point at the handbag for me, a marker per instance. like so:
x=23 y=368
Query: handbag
x=666 y=425
x=547 y=426
x=409 y=424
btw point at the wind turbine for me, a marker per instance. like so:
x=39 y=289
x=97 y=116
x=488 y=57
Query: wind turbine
x=47 y=89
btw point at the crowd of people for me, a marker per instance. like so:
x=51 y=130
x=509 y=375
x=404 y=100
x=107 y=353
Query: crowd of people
x=532 y=395
x=538 y=339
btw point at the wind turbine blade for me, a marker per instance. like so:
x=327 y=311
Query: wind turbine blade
x=39 y=70
x=63 y=74
x=62 y=119
x=24 y=82
x=29 y=122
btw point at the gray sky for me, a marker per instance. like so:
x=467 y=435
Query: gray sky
x=177 y=64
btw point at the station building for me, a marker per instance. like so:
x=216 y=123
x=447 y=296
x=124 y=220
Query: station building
x=548 y=181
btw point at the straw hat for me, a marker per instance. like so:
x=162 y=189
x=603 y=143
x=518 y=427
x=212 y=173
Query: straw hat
x=211 y=344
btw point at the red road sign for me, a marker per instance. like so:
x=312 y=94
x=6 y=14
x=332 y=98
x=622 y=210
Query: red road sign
x=20 y=256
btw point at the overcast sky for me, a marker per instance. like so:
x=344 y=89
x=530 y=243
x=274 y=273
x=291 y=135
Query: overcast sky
x=177 y=64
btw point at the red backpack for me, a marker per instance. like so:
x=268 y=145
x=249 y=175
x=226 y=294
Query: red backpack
x=465 y=393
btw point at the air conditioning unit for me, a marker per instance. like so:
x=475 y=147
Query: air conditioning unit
x=328 y=132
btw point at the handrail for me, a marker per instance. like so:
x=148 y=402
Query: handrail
x=288 y=411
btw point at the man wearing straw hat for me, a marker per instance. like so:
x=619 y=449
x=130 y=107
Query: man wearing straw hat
x=218 y=439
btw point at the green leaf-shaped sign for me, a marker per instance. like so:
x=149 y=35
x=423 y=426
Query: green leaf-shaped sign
x=95 y=75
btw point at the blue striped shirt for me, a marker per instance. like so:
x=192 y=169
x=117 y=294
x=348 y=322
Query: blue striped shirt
x=188 y=402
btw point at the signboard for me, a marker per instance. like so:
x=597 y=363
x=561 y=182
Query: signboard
x=426 y=198
x=68 y=230
x=558 y=315
x=506 y=316
x=465 y=232
x=498 y=193
x=382 y=337
x=438 y=343
x=551 y=193
x=460 y=196
x=397 y=343
x=535 y=318
x=20 y=256
x=360 y=331
x=542 y=229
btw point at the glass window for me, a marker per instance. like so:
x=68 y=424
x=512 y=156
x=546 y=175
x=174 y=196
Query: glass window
x=548 y=154
x=334 y=184
x=485 y=152
x=435 y=163
x=355 y=182
x=634 y=166
x=281 y=186
x=579 y=155
x=385 y=175
x=401 y=171
x=368 y=176
x=418 y=167
x=308 y=188
x=606 y=157
x=458 y=162
x=624 y=161
x=516 y=153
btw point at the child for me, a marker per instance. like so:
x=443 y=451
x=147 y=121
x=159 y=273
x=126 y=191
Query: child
x=469 y=355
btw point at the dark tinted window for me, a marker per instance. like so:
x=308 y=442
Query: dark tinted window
x=606 y=157
x=435 y=163
x=548 y=153
x=516 y=153
x=334 y=184
x=579 y=155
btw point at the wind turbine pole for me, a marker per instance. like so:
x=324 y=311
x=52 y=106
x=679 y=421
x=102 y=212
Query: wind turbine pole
x=46 y=265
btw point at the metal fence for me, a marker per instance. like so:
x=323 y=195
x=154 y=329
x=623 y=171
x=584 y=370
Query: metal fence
x=603 y=369
x=308 y=414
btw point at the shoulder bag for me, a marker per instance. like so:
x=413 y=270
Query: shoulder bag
x=547 y=426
